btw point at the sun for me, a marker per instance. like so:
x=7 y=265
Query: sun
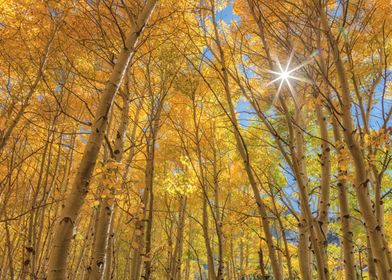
x=286 y=75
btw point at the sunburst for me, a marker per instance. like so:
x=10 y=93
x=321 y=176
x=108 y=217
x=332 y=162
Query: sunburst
x=285 y=75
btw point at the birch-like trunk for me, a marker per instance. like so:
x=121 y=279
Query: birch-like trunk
x=325 y=162
x=203 y=185
x=111 y=250
x=346 y=227
x=175 y=267
x=57 y=268
x=218 y=216
x=379 y=247
x=142 y=232
x=299 y=164
x=149 y=174
x=241 y=146
x=207 y=242
x=98 y=264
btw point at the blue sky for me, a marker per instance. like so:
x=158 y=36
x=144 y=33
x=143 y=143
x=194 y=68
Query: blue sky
x=243 y=107
x=227 y=14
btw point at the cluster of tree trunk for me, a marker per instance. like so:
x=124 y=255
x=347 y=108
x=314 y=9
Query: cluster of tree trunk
x=114 y=126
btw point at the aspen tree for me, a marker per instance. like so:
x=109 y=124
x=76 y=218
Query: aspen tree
x=71 y=207
x=346 y=220
x=309 y=228
x=107 y=203
x=374 y=230
x=243 y=152
x=237 y=148
x=5 y=135
x=175 y=267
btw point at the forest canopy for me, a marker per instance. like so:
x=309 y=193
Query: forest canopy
x=182 y=139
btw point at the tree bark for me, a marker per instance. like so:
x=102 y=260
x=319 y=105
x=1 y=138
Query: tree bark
x=242 y=149
x=57 y=268
x=346 y=227
x=97 y=267
x=323 y=204
x=207 y=242
x=376 y=234
x=175 y=273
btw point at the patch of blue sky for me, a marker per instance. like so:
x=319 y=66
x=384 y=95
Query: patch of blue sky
x=58 y=88
x=245 y=111
x=227 y=14
x=207 y=53
x=250 y=71
x=84 y=131
x=379 y=108
x=376 y=118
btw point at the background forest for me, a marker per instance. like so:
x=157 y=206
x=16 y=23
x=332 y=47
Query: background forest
x=183 y=139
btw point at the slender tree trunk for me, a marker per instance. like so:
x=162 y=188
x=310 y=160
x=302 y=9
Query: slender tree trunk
x=133 y=254
x=149 y=175
x=241 y=146
x=63 y=233
x=9 y=251
x=177 y=255
x=110 y=254
x=297 y=146
x=370 y=260
x=148 y=253
x=188 y=254
x=30 y=253
x=218 y=217
x=82 y=255
x=378 y=201
x=241 y=270
x=347 y=240
x=97 y=267
x=262 y=265
x=47 y=191
x=206 y=235
x=325 y=161
x=98 y=263
x=147 y=200
x=138 y=243
x=4 y=137
x=203 y=185
x=376 y=235
x=283 y=232
x=304 y=249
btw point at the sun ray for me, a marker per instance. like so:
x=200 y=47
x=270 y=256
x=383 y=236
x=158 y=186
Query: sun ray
x=273 y=81
x=293 y=93
x=277 y=93
x=301 y=79
x=285 y=75
x=289 y=61
x=279 y=65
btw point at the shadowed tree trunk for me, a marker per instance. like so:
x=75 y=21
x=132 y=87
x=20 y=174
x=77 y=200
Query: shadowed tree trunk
x=175 y=268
